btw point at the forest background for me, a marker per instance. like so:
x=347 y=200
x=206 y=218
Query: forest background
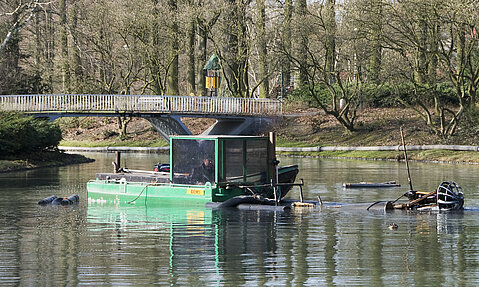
x=340 y=57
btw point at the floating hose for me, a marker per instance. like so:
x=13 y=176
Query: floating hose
x=47 y=200
x=240 y=199
x=373 y=204
x=130 y=202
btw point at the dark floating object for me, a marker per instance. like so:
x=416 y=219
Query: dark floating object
x=60 y=200
x=47 y=200
x=371 y=184
x=448 y=196
x=162 y=167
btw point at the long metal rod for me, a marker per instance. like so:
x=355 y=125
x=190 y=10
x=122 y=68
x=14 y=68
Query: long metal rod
x=405 y=159
x=301 y=191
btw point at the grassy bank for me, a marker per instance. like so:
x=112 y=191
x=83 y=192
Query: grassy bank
x=39 y=160
x=105 y=143
x=301 y=127
x=443 y=156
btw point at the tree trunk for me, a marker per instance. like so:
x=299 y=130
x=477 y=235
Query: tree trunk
x=172 y=85
x=375 y=56
x=202 y=41
x=330 y=41
x=243 y=53
x=235 y=52
x=123 y=121
x=76 y=63
x=191 y=80
x=65 y=66
x=286 y=64
x=50 y=51
x=262 y=50
x=421 y=57
x=301 y=44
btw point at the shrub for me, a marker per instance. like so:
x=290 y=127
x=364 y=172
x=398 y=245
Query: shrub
x=304 y=95
x=386 y=95
x=381 y=96
x=22 y=134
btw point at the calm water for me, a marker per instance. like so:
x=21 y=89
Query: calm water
x=194 y=246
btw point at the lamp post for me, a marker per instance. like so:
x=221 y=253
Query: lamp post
x=213 y=78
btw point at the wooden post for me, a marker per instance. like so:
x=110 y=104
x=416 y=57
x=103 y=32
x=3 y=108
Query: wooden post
x=272 y=156
x=301 y=191
x=116 y=163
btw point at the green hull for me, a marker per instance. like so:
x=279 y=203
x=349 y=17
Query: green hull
x=104 y=191
x=122 y=191
x=156 y=212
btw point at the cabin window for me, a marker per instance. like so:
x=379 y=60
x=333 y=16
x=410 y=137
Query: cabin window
x=233 y=160
x=245 y=161
x=256 y=160
x=193 y=161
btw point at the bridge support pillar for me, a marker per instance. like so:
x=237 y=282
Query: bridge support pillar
x=172 y=125
x=169 y=125
x=240 y=126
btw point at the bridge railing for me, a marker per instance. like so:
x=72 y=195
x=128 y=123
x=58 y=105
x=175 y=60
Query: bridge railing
x=69 y=103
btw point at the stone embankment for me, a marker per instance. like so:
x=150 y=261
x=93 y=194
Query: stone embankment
x=284 y=149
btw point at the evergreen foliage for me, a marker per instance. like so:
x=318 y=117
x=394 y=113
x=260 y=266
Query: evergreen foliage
x=21 y=134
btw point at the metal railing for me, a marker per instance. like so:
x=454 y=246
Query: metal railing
x=69 y=103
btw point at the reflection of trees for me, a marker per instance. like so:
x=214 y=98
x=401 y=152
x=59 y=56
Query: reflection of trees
x=330 y=248
x=141 y=245
x=247 y=243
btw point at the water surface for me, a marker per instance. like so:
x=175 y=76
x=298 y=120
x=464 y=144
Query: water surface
x=195 y=246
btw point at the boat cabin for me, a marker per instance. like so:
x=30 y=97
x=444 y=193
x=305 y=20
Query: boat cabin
x=220 y=160
x=209 y=168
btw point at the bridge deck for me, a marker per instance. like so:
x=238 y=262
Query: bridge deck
x=138 y=104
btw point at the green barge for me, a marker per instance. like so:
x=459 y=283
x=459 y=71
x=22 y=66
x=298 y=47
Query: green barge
x=203 y=169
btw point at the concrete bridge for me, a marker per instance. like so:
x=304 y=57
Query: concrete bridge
x=233 y=115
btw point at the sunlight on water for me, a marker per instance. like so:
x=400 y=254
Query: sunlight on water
x=94 y=243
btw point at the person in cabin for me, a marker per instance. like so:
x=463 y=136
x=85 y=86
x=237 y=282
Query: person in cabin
x=204 y=173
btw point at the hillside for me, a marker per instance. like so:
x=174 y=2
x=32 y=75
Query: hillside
x=300 y=127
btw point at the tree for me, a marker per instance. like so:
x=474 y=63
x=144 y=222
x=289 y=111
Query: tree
x=286 y=42
x=22 y=14
x=172 y=85
x=430 y=37
x=262 y=48
x=233 y=51
x=300 y=40
x=65 y=63
x=205 y=22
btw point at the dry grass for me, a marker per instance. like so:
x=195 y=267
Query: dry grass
x=375 y=127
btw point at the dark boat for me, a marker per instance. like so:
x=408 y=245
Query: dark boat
x=371 y=184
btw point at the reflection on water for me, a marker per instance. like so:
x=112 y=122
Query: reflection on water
x=193 y=245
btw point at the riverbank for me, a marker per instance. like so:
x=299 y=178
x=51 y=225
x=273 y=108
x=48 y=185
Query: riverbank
x=300 y=127
x=437 y=154
x=40 y=160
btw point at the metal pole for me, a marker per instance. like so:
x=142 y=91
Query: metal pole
x=274 y=191
x=405 y=159
x=301 y=190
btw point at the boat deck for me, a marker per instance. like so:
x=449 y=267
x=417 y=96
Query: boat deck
x=148 y=177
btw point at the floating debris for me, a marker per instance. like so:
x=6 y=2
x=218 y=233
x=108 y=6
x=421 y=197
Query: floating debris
x=47 y=200
x=54 y=200
x=393 y=226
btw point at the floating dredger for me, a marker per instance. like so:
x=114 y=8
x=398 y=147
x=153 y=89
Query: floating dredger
x=203 y=169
